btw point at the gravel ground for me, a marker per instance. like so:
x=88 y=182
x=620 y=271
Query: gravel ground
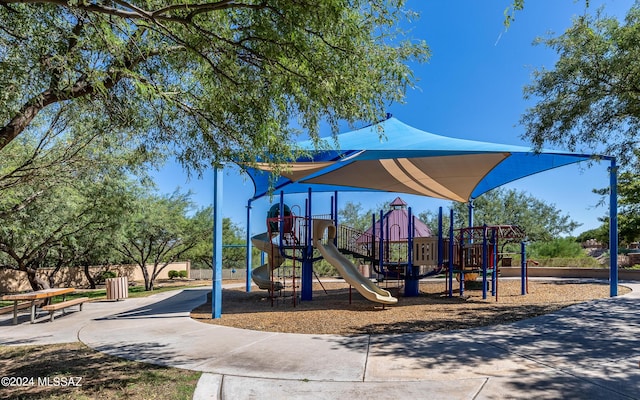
x=333 y=312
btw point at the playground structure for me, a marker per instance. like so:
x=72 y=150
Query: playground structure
x=476 y=252
x=479 y=251
x=389 y=239
x=402 y=160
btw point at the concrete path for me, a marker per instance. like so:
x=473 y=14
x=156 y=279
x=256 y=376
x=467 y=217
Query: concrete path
x=585 y=351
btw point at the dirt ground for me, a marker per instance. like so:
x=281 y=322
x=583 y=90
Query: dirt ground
x=334 y=313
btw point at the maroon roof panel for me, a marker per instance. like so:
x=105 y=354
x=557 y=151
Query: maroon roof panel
x=396 y=227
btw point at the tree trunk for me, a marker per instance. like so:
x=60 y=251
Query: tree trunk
x=148 y=283
x=52 y=275
x=87 y=274
x=36 y=282
x=156 y=272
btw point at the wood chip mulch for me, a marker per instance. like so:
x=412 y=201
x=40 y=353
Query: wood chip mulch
x=333 y=312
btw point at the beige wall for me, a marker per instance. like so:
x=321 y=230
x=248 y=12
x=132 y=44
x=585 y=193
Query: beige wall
x=16 y=281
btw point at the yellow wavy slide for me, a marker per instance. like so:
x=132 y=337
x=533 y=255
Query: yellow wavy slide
x=344 y=266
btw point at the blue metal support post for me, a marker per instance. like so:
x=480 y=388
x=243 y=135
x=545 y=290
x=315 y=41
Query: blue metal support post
x=613 y=229
x=494 y=273
x=485 y=250
x=411 y=284
x=440 y=240
x=334 y=215
x=523 y=269
x=249 y=248
x=307 y=259
x=381 y=249
x=216 y=289
x=373 y=238
x=281 y=224
x=451 y=249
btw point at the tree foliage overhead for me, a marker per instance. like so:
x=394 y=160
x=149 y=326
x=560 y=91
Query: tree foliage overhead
x=215 y=80
x=591 y=98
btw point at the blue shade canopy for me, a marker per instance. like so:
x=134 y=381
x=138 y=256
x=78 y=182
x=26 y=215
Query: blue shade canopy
x=391 y=156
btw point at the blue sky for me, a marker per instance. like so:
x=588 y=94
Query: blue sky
x=470 y=89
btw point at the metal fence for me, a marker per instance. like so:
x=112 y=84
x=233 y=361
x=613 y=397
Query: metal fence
x=226 y=274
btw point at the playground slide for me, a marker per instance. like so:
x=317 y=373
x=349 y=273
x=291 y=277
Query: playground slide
x=345 y=267
x=262 y=275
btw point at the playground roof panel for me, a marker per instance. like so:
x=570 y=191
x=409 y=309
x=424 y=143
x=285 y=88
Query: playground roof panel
x=398 y=202
x=391 y=156
x=395 y=225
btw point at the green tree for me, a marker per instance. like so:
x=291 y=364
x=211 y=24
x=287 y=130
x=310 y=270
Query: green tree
x=628 y=208
x=601 y=234
x=430 y=218
x=590 y=98
x=232 y=234
x=159 y=232
x=541 y=221
x=353 y=215
x=57 y=190
x=558 y=247
x=54 y=229
x=213 y=81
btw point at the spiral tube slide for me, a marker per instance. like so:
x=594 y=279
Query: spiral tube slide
x=262 y=274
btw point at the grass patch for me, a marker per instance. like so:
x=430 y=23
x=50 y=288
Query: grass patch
x=102 y=376
x=134 y=291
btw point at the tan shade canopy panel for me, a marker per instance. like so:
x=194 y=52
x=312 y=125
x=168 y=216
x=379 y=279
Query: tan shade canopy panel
x=296 y=171
x=408 y=160
x=446 y=177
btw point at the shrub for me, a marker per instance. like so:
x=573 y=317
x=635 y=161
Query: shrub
x=569 y=262
x=562 y=247
x=177 y=274
x=104 y=275
x=323 y=268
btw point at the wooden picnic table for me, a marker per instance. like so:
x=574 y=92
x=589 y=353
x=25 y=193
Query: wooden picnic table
x=33 y=297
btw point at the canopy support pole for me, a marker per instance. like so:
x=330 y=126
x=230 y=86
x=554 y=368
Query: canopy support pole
x=450 y=276
x=249 y=247
x=216 y=290
x=613 y=229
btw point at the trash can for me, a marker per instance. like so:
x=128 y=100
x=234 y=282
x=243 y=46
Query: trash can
x=117 y=288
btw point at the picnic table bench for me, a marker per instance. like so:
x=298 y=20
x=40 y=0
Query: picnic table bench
x=23 y=305
x=34 y=299
x=52 y=308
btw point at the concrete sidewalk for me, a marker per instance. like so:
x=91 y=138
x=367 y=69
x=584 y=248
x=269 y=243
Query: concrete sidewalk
x=584 y=351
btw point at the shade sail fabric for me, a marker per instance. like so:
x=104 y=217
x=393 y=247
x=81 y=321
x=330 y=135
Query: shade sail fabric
x=391 y=156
